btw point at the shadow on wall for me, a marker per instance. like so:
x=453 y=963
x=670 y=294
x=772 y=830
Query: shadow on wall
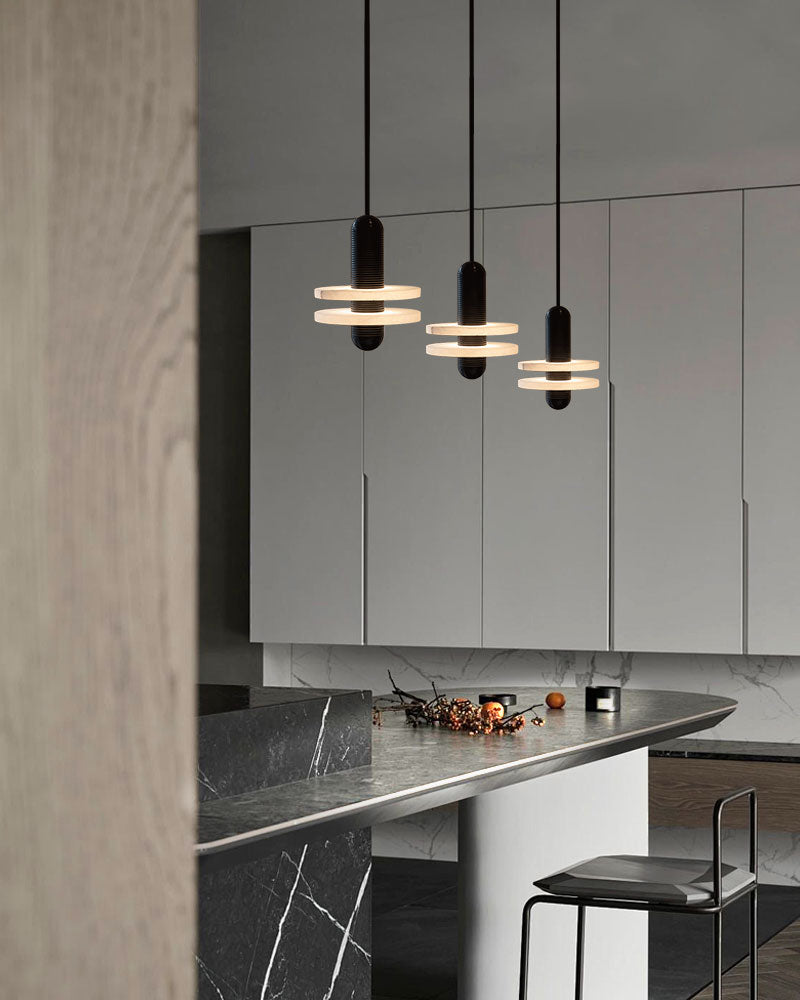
x=225 y=652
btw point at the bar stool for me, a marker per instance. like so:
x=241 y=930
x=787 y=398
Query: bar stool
x=656 y=885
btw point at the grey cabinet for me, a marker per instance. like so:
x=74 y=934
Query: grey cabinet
x=545 y=488
x=422 y=457
x=306 y=476
x=280 y=103
x=675 y=364
x=772 y=419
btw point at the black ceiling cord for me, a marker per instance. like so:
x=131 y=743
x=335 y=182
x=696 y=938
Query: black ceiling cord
x=366 y=253
x=559 y=334
x=472 y=130
x=366 y=237
x=367 y=109
x=471 y=275
x=472 y=347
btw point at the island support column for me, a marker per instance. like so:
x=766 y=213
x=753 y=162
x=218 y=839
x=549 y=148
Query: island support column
x=509 y=837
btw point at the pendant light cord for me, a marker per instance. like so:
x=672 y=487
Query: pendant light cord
x=472 y=130
x=558 y=152
x=367 y=135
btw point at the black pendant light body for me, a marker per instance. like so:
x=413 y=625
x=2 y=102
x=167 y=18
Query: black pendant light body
x=366 y=271
x=472 y=347
x=558 y=363
x=368 y=292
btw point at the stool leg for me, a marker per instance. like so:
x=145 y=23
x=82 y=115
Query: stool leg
x=579 y=953
x=718 y=956
x=525 y=950
x=754 y=945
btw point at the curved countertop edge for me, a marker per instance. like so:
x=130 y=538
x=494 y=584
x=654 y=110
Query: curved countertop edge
x=259 y=840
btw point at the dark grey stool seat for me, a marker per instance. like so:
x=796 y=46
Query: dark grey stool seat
x=666 y=885
x=658 y=880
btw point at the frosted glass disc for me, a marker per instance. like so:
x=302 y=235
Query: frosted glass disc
x=558 y=366
x=346 y=293
x=567 y=384
x=484 y=330
x=388 y=317
x=452 y=349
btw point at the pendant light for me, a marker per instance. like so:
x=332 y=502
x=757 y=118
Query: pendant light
x=559 y=363
x=472 y=348
x=366 y=315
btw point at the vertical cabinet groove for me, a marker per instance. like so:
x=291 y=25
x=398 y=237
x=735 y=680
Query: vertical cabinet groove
x=772 y=418
x=676 y=367
x=422 y=453
x=545 y=521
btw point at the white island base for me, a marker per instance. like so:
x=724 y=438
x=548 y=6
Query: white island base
x=509 y=837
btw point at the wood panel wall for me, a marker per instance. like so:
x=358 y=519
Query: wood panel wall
x=683 y=792
x=97 y=498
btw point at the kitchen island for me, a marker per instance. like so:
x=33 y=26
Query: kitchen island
x=529 y=803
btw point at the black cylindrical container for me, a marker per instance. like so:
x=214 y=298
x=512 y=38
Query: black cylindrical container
x=366 y=271
x=559 y=348
x=506 y=700
x=472 y=312
x=603 y=699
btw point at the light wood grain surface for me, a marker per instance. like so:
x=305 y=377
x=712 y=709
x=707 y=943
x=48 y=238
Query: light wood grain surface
x=97 y=506
x=683 y=792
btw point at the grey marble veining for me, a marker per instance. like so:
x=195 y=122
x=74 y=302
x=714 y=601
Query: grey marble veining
x=252 y=737
x=767 y=688
x=294 y=924
x=414 y=769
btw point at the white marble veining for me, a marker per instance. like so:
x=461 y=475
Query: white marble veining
x=277 y=943
x=778 y=854
x=766 y=687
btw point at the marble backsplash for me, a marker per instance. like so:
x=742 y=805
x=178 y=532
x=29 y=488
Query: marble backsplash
x=767 y=689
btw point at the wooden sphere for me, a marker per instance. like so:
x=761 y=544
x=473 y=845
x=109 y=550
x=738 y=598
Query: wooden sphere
x=555 y=700
x=492 y=711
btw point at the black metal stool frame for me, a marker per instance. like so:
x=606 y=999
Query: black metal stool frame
x=714 y=908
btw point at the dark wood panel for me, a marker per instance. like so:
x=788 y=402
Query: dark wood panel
x=97 y=506
x=779 y=971
x=683 y=792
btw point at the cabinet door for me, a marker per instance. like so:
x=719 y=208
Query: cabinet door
x=281 y=109
x=545 y=519
x=772 y=418
x=675 y=365
x=422 y=457
x=306 y=474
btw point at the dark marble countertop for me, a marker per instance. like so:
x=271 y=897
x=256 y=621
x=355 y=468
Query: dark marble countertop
x=417 y=769
x=216 y=699
x=780 y=753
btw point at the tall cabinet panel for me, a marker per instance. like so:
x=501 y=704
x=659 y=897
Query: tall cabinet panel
x=545 y=524
x=422 y=457
x=675 y=365
x=306 y=443
x=772 y=418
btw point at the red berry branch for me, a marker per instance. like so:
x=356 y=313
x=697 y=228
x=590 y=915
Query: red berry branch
x=458 y=714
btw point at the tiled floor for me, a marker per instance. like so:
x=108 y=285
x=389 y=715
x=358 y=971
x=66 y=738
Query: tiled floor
x=415 y=942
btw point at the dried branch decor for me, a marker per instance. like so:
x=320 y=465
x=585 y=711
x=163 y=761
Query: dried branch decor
x=458 y=714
